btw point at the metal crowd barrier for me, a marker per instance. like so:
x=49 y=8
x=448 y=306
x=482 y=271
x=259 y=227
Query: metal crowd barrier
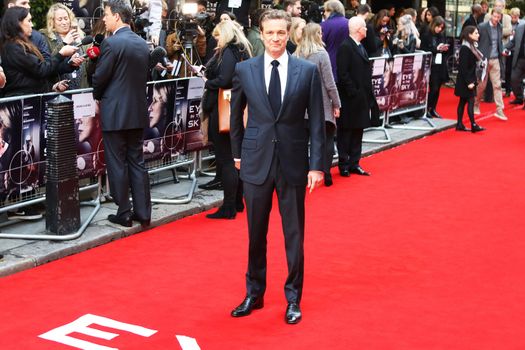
x=400 y=86
x=172 y=141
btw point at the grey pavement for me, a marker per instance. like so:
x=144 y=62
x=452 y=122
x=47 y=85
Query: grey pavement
x=22 y=254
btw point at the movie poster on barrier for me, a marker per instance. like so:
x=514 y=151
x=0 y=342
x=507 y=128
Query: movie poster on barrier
x=10 y=147
x=88 y=134
x=403 y=96
x=380 y=80
x=422 y=65
x=30 y=154
x=194 y=139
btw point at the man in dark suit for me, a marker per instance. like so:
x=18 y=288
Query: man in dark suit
x=272 y=154
x=517 y=46
x=357 y=99
x=119 y=83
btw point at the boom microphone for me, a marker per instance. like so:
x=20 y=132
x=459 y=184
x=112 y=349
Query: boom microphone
x=157 y=56
x=97 y=41
x=88 y=39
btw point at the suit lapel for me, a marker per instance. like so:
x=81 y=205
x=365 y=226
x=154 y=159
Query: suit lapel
x=356 y=49
x=257 y=68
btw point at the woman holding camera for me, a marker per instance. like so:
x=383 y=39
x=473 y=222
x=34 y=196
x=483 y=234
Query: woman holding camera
x=62 y=29
x=471 y=63
x=406 y=39
x=232 y=47
x=25 y=68
x=434 y=41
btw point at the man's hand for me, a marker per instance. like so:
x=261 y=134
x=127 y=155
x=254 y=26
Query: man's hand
x=315 y=179
x=77 y=60
x=337 y=112
x=237 y=164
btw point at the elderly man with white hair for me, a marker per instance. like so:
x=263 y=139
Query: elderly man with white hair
x=357 y=99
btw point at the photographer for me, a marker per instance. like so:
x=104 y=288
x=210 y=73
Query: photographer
x=382 y=34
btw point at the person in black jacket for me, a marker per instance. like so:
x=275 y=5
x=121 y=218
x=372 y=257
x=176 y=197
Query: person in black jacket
x=25 y=68
x=357 y=99
x=470 y=62
x=434 y=41
x=476 y=16
x=232 y=47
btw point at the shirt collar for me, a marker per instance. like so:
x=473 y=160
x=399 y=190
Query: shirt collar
x=283 y=59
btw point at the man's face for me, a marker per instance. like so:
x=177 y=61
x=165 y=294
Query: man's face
x=514 y=18
x=20 y=3
x=296 y=9
x=495 y=18
x=274 y=36
x=110 y=19
x=485 y=8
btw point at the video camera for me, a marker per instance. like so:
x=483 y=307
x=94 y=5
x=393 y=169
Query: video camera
x=140 y=24
x=312 y=11
x=188 y=19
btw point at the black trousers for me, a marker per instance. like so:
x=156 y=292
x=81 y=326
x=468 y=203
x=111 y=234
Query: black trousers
x=231 y=184
x=349 y=147
x=518 y=73
x=470 y=109
x=125 y=167
x=433 y=90
x=291 y=207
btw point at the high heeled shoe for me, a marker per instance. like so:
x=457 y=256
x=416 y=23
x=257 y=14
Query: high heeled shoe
x=223 y=213
x=476 y=128
x=461 y=127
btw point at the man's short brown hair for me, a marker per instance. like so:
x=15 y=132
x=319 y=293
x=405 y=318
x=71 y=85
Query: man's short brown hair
x=275 y=14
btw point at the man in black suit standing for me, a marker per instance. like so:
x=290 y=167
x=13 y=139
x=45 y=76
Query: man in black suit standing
x=272 y=154
x=357 y=99
x=119 y=84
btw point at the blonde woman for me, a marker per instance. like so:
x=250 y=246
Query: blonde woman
x=296 y=32
x=62 y=29
x=232 y=47
x=311 y=48
x=406 y=39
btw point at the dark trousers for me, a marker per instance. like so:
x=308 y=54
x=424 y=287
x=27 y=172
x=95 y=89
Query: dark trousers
x=291 y=207
x=349 y=147
x=125 y=167
x=518 y=73
x=433 y=90
x=231 y=184
x=329 y=150
x=470 y=109
x=508 y=69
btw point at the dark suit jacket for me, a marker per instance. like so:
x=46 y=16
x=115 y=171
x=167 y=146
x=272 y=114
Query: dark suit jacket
x=514 y=45
x=287 y=135
x=485 y=41
x=355 y=86
x=120 y=81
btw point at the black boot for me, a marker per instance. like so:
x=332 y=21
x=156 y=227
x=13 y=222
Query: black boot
x=461 y=127
x=476 y=127
x=434 y=113
x=224 y=212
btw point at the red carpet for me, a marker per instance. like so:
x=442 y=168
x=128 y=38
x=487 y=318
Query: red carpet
x=427 y=253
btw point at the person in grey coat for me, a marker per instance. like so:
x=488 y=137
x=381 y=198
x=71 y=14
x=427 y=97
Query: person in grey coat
x=312 y=49
x=517 y=46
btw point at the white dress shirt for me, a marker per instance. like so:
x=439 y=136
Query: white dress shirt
x=282 y=68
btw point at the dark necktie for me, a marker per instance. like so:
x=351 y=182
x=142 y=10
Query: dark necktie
x=274 y=89
x=363 y=51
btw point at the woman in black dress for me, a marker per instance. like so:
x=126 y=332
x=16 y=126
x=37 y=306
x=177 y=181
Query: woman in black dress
x=434 y=41
x=232 y=47
x=471 y=62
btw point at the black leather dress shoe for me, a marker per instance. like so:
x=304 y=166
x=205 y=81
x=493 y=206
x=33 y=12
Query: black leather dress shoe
x=461 y=127
x=212 y=185
x=247 y=305
x=344 y=172
x=293 y=314
x=122 y=221
x=517 y=101
x=477 y=128
x=143 y=223
x=435 y=114
x=359 y=171
x=224 y=212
